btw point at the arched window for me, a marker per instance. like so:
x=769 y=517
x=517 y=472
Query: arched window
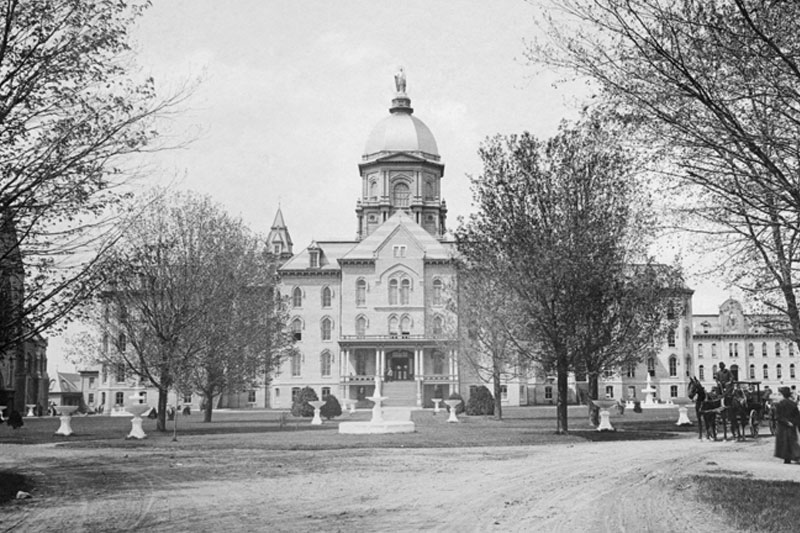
x=361 y=326
x=791 y=349
x=735 y=372
x=326 y=297
x=393 y=326
x=401 y=195
x=373 y=190
x=700 y=351
x=766 y=372
x=791 y=371
x=438 y=326
x=778 y=371
x=777 y=349
x=752 y=372
x=673 y=366
x=296 y=365
x=405 y=289
x=122 y=343
x=671 y=338
x=326 y=329
x=763 y=349
x=405 y=326
x=701 y=373
x=325 y=363
x=393 y=292
x=361 y=292
x=651 y=366
x=713 y=349
x=297 y=297
x=297 y=329
x=437 y=292
x=751 y=350
x=688 y=366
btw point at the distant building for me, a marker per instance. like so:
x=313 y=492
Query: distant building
x=752 y=346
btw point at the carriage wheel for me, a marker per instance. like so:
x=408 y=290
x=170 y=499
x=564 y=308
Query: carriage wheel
x=754 y=423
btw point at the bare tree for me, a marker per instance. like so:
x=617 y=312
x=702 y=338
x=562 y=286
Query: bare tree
x=715 y=86
x=566 y=220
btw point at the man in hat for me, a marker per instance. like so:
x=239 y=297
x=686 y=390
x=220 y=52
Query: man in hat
x=788 y=420
x=724 y=379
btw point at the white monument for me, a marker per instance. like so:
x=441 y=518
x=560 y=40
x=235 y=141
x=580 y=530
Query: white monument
x=400 y=422
x=649 y=394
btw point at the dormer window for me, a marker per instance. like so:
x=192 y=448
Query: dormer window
x=313 y=258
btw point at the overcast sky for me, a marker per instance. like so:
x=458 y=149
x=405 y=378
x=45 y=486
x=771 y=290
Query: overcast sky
x=290 y=89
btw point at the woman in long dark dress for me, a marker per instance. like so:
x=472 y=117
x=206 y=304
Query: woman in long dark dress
x=788 y=418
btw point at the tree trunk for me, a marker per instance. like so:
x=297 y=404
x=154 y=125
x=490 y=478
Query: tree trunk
x=498 y=397
x=161 y=422
x=561 y=407
x=594 y=412
x=208 y=407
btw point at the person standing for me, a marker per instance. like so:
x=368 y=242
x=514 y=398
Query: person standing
x=724 y=379
x=788 y=420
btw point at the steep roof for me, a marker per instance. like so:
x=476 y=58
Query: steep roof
x=432 y=248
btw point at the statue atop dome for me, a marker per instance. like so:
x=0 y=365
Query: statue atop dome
x=400 y=81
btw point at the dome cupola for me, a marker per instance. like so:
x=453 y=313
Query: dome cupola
x=401 y=131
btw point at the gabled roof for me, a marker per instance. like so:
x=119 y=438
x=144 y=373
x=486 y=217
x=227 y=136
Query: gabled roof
x=330 y=252
x=65 y=383
x=367 y=248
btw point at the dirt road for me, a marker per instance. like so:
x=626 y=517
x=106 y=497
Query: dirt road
x=606 y=486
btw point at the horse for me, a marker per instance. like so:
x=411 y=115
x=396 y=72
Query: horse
x=706 y=409
x=738 y=414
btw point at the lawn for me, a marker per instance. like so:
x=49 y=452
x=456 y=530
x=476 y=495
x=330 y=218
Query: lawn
x=263 y=429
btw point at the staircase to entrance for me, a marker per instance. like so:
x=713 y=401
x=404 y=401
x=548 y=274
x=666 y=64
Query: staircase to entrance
x=400 y=393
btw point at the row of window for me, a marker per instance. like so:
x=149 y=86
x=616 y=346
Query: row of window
x=733 y=349
x=751 y=372
x=325 y=364
x=397 y=326
x=399 y=290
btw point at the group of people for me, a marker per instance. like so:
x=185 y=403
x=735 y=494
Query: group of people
x=787 y=417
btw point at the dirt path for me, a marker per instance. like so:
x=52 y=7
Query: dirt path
x=611 y=486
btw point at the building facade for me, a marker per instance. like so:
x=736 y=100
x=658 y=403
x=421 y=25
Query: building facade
x=370 y=313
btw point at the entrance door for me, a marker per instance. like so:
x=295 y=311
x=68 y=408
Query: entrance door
x=400 y=367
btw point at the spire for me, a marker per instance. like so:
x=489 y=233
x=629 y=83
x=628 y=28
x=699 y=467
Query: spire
x=279 y=242
x=401 y=103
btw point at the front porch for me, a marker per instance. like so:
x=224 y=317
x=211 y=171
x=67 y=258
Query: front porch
x=406 y=376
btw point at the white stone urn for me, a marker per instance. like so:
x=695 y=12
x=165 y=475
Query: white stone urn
x=452 y=404
x=137 y=409
x=683 y=416
x=65 y=413
x=605 y=415
x=317 y=405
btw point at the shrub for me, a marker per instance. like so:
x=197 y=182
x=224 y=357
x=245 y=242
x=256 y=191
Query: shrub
x=637 y=406
x=460 y=407
x=481 y=402
x=331 y=408
x=300 y=406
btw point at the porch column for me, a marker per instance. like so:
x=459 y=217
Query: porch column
x=457 y=377
x=418 y=370
x=379 y=369
x=344 y=357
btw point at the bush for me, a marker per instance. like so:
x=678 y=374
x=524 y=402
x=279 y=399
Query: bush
x=637 y=406
x=331 y=408
x=460 y=407
x=481 y=402
x=300 y=406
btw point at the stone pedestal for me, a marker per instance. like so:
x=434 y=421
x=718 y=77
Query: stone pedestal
x=436 y=408
x=137 y=432
x=317 y=405
x=31 y=407
x=65 y=413
x=452 y=404
x=605 y=414
x=683 y=413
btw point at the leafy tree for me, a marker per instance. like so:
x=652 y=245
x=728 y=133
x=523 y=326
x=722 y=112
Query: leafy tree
x=70 y=120
x=300 y=405
x=567 y=220
x=490 y=318
x=480 y=402
x=189 y=300
x=714 y=86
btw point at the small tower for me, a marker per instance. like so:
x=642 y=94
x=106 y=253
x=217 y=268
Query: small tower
x=279 y=243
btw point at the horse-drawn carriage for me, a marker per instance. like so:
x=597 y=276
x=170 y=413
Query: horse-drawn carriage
x=743 y=403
